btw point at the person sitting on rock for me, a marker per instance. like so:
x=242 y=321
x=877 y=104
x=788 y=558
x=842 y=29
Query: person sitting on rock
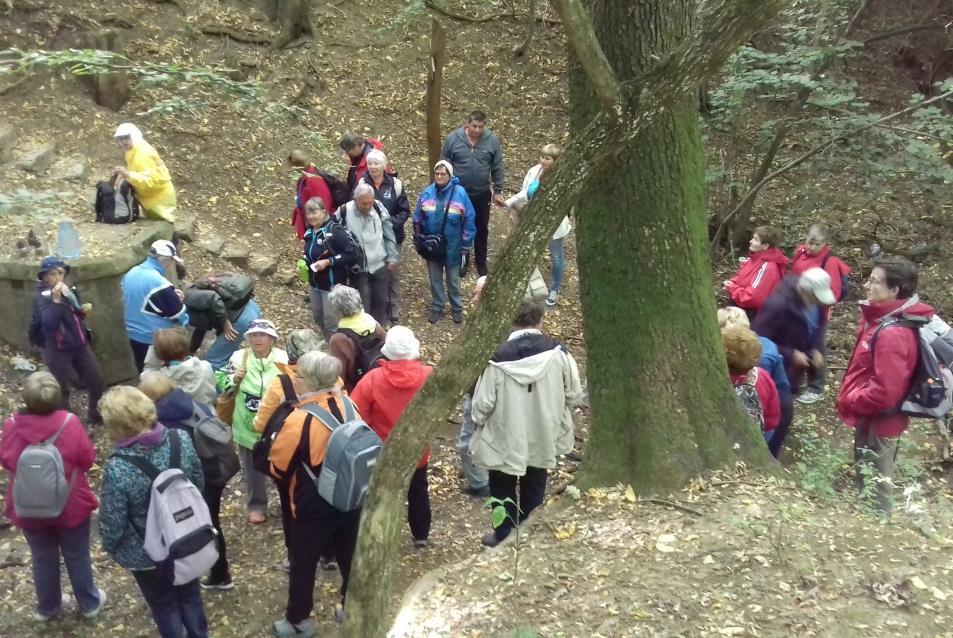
x=147 y=174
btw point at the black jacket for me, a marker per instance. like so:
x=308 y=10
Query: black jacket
x=394 y=198
x=61 y=326
x=328 y=242
x=781 y=319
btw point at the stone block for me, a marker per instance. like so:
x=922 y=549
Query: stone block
x=237 y=254
x=185 y=228
x=75 y=171
x=213 y=244
x=7 y=139
x=263 y=264
x=38 y=158
x=287 y=277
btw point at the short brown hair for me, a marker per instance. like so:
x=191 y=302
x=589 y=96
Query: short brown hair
x=742 y=348
x=530 y=315
x=155 y=385
x=171 y=344
x=41 y=393
x=127 y=412
x=768 y=235
x=899 y=273
x=298 y=157
x=350 y=140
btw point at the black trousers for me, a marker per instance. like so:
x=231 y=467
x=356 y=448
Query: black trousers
x=139 y=352
x=213 y=498
x=418 y=505
x=308 y=538
x=532 y=487
x=81 y=361
x=481 y=206
x=784 y=425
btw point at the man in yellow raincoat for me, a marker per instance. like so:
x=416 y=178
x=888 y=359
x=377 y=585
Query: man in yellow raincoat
x=147 y=174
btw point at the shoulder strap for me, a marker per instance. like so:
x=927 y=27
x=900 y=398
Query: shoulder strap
x=288 y=387
x=330 y=421
x=175 y=456
x=892 y=321
x=53 y=438
x=142 y=464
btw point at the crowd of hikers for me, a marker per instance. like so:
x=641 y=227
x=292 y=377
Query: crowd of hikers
x=309 y=412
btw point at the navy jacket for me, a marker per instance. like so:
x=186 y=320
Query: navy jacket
x=781 y=319
x=60 y=326
x=328 y=242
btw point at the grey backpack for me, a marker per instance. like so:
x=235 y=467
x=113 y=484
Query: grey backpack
x=349 y=459
x=750 y=400
x=40 y=487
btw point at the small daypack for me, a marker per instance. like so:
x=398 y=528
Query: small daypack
x=352 y=452
x=235 y=289
x=116 y=202
x=178 y=524
x=214 y=446
x=931 y=388
x=750 y=400
x=368 y=353
x=261 y=452
x=40 y=486
x=340 y=193
x=844 y=279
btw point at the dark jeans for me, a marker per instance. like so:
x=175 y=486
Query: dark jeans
x=139 y=351
x=817 y=377
x=309 y=537
x=213 y=498
x=481 y=206
x=532 y=491
x=81 y=361
x=375 y=291
x=46 y=546
x=418 y=505
x=393 y=293
x=173 y=607
x=784 y=425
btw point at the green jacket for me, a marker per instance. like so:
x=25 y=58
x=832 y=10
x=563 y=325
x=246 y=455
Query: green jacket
x=258 y=376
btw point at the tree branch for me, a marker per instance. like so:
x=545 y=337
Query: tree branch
x=235 y=34
x=820 y=149
x=895 y=32
x=520 y=49
x=582 y=39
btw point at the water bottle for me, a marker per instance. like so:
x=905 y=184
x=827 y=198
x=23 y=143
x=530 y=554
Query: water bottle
x=68 y=245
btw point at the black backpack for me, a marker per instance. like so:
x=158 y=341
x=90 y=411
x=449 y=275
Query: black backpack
x=116 y=204
x=261 y=452
x=234 y=289
x=214 y=446
x=368 y=353
x=360 y=257
x=340 y=193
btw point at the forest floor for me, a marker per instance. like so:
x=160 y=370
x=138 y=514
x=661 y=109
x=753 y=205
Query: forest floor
x=732 y=555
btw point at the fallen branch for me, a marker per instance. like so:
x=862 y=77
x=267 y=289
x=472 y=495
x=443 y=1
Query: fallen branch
x=462 y=17
x=6 y=89
x=234 y=34
x=817 y=150
x=672 y=504
x=904 y=30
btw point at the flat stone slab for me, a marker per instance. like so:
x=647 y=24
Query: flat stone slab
x=76 y=171
x=238 y=254
x=185 y=228
x=37 y=158
x=213 y=244
x=263 y=264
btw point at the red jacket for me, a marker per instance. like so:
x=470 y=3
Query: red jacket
x=767 y=393
x=78 y=454
x=875 y=383
x=757 y=277
x=382 y=394
x=309 y=185
x=803 y=260
x=359 y=165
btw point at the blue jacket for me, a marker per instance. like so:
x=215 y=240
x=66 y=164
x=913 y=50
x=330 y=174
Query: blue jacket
x=150 y=301
x=461 y=219
x=59 y=326
x=124 y=501
x=772 y=362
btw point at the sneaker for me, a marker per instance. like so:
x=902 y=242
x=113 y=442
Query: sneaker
x=433 y=316
x=286 y=565
x=552 y=298
x=256 y=518
x=810 y=397
x=64 y=601
x=220 y=584
x=457 y=316
x=92 y=613
x=421 y=543
x=329 y=565
x=482 y=492
x=285 y=629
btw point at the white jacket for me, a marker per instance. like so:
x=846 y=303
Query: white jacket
x=194 y=376
x=521 y=405
x=518 y=202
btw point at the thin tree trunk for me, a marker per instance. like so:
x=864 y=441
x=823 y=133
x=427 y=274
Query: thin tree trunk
x=438 y=55
x=520 y=49
x=740 y=226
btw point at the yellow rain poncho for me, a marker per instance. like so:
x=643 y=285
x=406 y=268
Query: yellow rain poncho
x=149 y=176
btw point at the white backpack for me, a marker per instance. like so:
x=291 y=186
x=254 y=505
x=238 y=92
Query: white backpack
x=40 y=487
x=178 y=524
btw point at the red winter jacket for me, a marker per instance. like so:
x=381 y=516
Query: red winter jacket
x=803 y=260
x=382 y=394
x=78 y=454
x=767 y=393
x=359 y=165
x=876 y=382
x=308 y=186
x=756 y=278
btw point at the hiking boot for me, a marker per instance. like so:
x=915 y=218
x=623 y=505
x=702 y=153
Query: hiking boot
x=285 y=629
x=482 y=492
x=94 y=612
x=328 y=564
x=810 y=397
x=433 y=316
x=420 y=543
x=457 y=316
x=64 y=601
x=552 y=298
x=220 y=584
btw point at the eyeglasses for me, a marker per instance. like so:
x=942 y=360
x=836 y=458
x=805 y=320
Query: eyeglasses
x=441 y=173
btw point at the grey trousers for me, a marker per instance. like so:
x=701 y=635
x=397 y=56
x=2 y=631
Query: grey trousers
x=477 y=477
x=375 y=292
x=256 y=484
x=880 y=454
x=321 y=312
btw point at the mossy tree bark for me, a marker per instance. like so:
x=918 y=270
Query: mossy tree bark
x=655 y=299
x=662 y=409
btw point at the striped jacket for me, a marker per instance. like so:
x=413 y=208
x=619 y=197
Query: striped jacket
x=461 y=219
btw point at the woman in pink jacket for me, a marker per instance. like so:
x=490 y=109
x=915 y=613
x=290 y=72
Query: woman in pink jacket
x=68 y=533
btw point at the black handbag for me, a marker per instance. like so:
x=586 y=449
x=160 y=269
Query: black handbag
x=432 y=247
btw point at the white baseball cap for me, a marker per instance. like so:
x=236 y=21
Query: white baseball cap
x=818 y=282
x=262 y=326
x=165 y=248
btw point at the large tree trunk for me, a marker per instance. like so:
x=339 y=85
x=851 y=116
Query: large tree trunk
x=662 y=408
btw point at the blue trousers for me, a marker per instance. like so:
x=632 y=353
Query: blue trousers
x=46 y=547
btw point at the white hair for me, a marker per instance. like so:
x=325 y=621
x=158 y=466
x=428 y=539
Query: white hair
x=315 y=203
x=317 y=370
x=363 y=189
x=345 y=301
x=377 y=157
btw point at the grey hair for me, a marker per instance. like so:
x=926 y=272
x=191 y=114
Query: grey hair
x=41 y=393
x=315 y=203
x=317 y=370
x=377 y=157
x=363 y=189
x=345 y=301
x=300 y=342
x=819 y=232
